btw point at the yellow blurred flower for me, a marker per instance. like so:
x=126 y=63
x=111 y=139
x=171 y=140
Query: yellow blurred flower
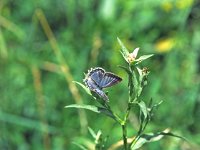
x=182 y=4
x=166 y=6
x=164 y=45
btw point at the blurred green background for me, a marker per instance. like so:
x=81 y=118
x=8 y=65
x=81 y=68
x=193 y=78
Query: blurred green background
x=46 y=44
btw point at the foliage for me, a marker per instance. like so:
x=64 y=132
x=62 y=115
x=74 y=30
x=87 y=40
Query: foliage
x=136 y=83
x=45 y=45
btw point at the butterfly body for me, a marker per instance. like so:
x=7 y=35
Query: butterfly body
x=98 y=78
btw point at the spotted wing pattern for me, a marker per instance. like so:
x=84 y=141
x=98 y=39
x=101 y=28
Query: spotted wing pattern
x=97 y=79
x=91 y=84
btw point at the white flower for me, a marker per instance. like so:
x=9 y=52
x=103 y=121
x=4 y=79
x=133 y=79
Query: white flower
x=132 y=56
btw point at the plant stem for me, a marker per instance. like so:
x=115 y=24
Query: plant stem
x=133 y=83
x=123 y=124
x=124 y=130
x=117 y=118
x=127 y=112
x=124 y=135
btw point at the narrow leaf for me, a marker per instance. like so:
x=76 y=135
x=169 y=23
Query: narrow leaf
x=98 y=137
x=88 y=107
x=80 y=146
x=143 y=108
x=142 y=58
x=150 y=103
x=152 y=137
x=135 y=80
x=84 y=87
x=156 y=105
x=92 y=132
x=106 y=112
x=145 y=138
x=172 y=134
x=124 y=50
x=93 y=108
x=87 y=143
x=99 y=133
x=139 y=71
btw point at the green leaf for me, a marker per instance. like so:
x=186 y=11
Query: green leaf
x=124 y=51
x=83 y=141
x=139 y=71
x=92 y=132
x=80 y=146
x=88 y=107
x=152 y=107
x=152 y=137
x=142 y=58
x=84 y=87
x=99 y=133
x=99 y=141
x=98 y=137
x=139 y=91
x=143 y=108
x=135 y=80
x=132 y=80
x=107 y=112
x=93 y=108
x=156 y=105
x=145 y=138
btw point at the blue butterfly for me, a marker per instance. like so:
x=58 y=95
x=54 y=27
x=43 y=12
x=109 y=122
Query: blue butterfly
x=97 y=79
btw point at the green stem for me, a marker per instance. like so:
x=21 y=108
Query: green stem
x=127 y=112
x=124 y=130
x=117 y=118
x=133 y=83
x=124 y=135
x=123 y=124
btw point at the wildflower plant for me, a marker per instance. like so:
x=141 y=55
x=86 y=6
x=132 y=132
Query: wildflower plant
x=137 y=80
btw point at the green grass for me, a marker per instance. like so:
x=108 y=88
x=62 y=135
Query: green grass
x=40 y=57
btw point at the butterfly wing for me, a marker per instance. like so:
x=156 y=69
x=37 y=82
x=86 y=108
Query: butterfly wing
x=90 y=84
x=96 y=75
x=95 y=88
x=101 y=94
x=97 y=78
x=109 y=79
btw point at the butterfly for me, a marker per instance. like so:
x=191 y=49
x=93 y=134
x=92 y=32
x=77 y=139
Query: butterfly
x=96 y=79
